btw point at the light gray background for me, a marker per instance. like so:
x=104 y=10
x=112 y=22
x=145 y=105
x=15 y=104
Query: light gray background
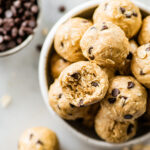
x=19 y=78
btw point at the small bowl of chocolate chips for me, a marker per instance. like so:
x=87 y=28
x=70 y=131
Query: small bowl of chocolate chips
x=18 y=22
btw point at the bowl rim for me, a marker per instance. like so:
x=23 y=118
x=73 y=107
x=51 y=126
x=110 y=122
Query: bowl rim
x=27 y=40
x=43 y=80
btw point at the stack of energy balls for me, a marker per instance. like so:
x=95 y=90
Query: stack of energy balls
x=101 y=73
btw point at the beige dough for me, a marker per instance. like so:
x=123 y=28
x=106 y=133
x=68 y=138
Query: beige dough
x=57 y=65
x=120 y=12
x=68 y=37
x=144 y=35
x=134 y=46
x=38 y=138
x=140 y=65
x=113 y=131
x=105 y=44
x=63 y=107
x=83 y=83
x=110 y=72
x=126 y=99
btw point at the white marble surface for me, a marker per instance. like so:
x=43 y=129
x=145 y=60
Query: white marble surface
x=19 y=79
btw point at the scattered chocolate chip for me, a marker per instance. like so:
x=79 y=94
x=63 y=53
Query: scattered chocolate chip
x=117 y=72
x=32 y=23
x=1 y=39
x=128 y=15
x=112 y=100
x=129 y=130
x=8 y=14
x=122 y=10
x=14 y=32
x=62 y=8
x=134 y=14
x=17 y=4
x=92 y=57
x=130 y=85
x=115 y=92
x=71 y=105
x=60 y=95
x=34 y=9
x=31 y=136
x=124 y=97
x=62 y=44
x=141 y=72
x=40 y=142
x=39 y=47
x=69 y=114
x=90 y=50
x=130 y=55
x=81 y=103
x=95 y=84
x=147 y=49
x=104 y=27
x=80 y=120
x=76 y=75
x=128 y=116
x=70 y=87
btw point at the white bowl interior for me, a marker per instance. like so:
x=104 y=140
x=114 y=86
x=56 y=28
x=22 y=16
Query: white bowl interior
x=85 y=10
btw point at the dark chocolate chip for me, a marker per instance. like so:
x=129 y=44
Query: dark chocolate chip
x=148 y=49
x=1 y=39
x=92 y=57
x=7 y=38
x=27 y=5
x=62 y=8
x=40 y=142
x=32 y=23
x=115 y=92
x=104 y=27
x=129 y=130
x=141 y=72
x=80 y=120
x=8 y=14
x=130 y=85
x=95 y=84
x=122 y=10
x=124 y=97
x=14 y=32
x=112 y=100
x=81 y=103
x=117 y=72
x=128 y=15
x=130 y=55
x=62 y=44
x=71 y=105
x=17 y=4
x=135 y=14
x=31 y=136
x=34 y=9
x=76 y=75
x=128 y=116
x=90 y=50
x=60 y=95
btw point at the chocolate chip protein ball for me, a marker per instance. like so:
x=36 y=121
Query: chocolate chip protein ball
x=126 y=99
x=122 y=13
x=105 y=44
x=144 y=35
x=62 y=106
x=140 y=65
x=134 y=46
x=57 y=65
x=83 y=83
x=113 y=131
x=68 y=37
x=38 y=138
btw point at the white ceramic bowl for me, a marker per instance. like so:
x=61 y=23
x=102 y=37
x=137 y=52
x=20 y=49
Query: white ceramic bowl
x=84 y=10
x=27 y=40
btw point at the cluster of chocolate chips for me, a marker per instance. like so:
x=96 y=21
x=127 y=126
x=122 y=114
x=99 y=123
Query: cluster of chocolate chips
x=17 y=21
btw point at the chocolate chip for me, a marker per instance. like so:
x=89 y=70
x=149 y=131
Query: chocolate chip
x=17 y=4
x=34 y=9
x=92 y=57
x=31 y=136
x=141 y=72
x=40 y=142
x=130 y=85
x=14 y=32
x=7 y=38
x=129 y=130
x=27 y=4
x=130 y=55
x=95 y=84
x=124 y=97
x=135 y=14
x=117 y=73
x=60 y=95
x=80 y=120
x=1 y=39
x=147 y=49
x=128 y=116
x=32 y=23
x=90 y=50
x=62 y=8
x=76 y=75
x=8 y=14
x=71 y=105
x=81 y=103
x=122 y=10
x=112 y=100
x=104 y=27
x=62 y=44
x=19 y=40
x=128 y=15
x=115 y=92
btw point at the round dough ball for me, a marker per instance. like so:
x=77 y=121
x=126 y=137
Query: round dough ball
x=144 y=35
x=134 y=46
x=62 y=106
x=140 y=65
x=83 y=83
x=38 y=138
x=68 y=37
x=57 y=65
x=122 y=13
x=113 y=131
x=105 y=44
x=126 y=99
